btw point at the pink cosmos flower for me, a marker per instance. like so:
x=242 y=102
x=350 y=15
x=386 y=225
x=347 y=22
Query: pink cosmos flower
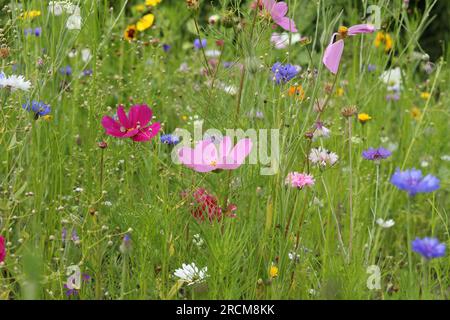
x=2 y=249
x=134 y=125
x=206 y=156
x=299 y=180
x=277 y=11
x=333 y=53
x=205 y=206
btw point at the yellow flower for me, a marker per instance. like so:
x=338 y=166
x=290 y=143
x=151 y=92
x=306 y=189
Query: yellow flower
x=47 y=117
x=30 y=14
x=131 y=33
x=416 y=113
x=184 y=118
x=388 y=43
x=145 y=22
x=383 y=39
x=273 y=272
x=139 y=7
x=340 y=92
x=152 y=3
x=297 y=91
x=364 y=117
x=425 y=95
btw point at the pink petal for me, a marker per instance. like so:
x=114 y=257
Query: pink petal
x=141 y=114
x=197 y=158
x=269 y=4
x=286 y=23
x=130 y=133
x=110 y=123
x=123 y=117
x=237 y=156
x=186 y=156
x=210 y=154
x=361 y=28
x=225 y=147
x=280 y=9
x=111 y=126
x=332 y=56
x=147 y=133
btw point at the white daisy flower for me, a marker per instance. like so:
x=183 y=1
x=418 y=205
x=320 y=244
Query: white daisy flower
x=56 y=7
x=74 y=22
x=191 y=274
x=212 y=53
x=281 y=40
x=293 y=256
x=393 y=78
x=86 y=55
x=385 y=223
x=14 y=82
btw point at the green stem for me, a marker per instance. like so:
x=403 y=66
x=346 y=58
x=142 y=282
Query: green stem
x=350 y=186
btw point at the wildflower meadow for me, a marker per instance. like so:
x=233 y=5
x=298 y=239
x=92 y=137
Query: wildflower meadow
x=224 y=150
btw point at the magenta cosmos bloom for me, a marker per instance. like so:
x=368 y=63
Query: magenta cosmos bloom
x=207 y=156
x=299 y=180
x=2 y=249
x=134 y=125
x=333 y=53
x=277 y=11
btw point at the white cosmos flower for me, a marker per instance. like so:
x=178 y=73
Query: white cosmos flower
x=72 y=9
x=212 y=53
x=14 y=82
x=86 y=55
x=74 y=22
x=281 y=40
x=393 y=78
x=385 y=224
x=293 y=256
x=56 y=7
x=190 y=273
x=322 y=157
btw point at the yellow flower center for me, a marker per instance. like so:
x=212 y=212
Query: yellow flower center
x=343 y=31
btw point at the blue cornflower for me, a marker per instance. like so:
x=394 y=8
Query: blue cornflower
x=39 y=108
x=38 y=31
x=170 y=139
x=198 y=44
x=27 y=32
x=75 y=237
x=429 y=248
x=282 y=73
x=87 y=72
x=66 y=71
x=166 y=47
x=228 y=64
x=413 y=182
x=376 y=154
x=125 y=247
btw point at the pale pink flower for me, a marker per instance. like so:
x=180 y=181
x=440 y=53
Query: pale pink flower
x=333 y=53
x=206 y=156
x=278 y=11
x=299 y=180
x=322 y=157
